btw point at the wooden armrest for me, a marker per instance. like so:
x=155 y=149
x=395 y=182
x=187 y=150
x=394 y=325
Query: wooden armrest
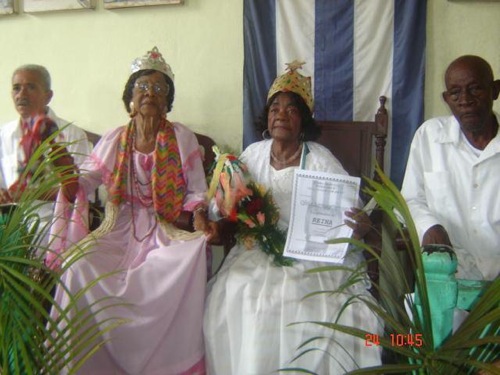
x=401 y=240
x=227 y=232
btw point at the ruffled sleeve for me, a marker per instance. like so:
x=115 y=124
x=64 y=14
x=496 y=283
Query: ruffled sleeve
x=192 y=164
x=71 y=223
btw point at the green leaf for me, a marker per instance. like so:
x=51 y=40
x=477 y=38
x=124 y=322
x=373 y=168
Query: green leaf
x=34 y=341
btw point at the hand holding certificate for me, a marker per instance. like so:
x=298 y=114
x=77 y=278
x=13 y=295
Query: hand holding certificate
x=319 y=201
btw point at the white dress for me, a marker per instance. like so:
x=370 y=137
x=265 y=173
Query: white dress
x=252 y=302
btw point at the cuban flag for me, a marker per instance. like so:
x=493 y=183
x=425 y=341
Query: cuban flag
x=355 y=51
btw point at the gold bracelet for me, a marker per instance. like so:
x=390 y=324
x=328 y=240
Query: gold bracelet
x=200 y=208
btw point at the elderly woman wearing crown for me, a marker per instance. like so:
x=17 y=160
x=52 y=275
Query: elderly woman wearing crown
x=153 y=174
x=252 y=302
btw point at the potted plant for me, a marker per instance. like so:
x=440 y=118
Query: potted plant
x=409 y=341
x=34 y=340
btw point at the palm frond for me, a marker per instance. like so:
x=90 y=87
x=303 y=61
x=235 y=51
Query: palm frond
x=33 y=339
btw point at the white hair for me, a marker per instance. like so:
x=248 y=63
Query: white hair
x=41 y=70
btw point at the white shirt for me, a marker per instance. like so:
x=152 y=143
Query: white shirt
x=449 y=183
x=11 y=153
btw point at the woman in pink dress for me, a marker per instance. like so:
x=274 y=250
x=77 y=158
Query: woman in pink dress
x=153 y=174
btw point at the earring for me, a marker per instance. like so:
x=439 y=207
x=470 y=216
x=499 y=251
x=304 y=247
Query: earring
x=266 y=134
x=133 y=111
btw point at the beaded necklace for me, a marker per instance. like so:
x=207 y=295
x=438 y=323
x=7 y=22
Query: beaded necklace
x=167 y=179
x=137 y=191
x=146 y=200
x=286 y=161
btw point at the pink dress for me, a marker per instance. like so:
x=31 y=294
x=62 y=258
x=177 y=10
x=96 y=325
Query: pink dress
x=160 y=271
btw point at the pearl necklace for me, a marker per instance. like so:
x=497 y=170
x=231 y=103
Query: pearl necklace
x=289 y=160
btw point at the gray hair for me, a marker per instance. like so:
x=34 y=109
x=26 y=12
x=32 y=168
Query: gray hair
x=41 y=70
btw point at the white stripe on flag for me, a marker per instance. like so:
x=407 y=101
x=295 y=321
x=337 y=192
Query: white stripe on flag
x=295 y=34
x=373 y=55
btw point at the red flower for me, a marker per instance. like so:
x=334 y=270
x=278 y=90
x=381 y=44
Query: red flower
x=254 y=206
x=233 y=215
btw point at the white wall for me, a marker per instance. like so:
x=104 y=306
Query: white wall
x=88 y=53
x=455 y=28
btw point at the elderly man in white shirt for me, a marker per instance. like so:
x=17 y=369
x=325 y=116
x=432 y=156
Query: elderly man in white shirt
x=31 y=93
x=453 y=172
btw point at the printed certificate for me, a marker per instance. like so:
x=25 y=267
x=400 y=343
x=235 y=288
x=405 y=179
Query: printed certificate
x=319 y=201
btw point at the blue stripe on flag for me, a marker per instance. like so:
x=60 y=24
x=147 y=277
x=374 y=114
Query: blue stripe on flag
x=408 y=80
x=259 y=68
x=333 y=73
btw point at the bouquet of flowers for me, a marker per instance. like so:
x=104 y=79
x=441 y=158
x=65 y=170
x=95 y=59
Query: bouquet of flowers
x=239 y=199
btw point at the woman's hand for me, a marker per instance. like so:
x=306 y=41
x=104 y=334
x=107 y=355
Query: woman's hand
x=360 y=222
x=202 y=223
x=68 y=171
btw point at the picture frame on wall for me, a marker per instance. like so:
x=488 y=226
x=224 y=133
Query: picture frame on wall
x=33 y=6
x=114 y=4
x=8 y=7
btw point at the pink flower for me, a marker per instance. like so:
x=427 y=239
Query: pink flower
x=241 y=189
x=261 y=218
x=249 y=223
x=233 y=190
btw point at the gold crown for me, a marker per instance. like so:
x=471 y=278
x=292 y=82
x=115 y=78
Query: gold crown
x=293 y=81
x=152 y=60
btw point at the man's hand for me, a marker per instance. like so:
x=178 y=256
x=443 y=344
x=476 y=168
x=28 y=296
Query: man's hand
x=436 y=235
x=5 y=197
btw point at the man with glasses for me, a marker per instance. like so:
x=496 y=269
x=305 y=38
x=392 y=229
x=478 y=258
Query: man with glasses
x=453 y=171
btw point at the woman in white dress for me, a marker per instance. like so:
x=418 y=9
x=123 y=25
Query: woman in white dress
x=252 y=301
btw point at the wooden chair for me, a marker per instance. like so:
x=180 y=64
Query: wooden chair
x=358 y=145
x=92 y=137
x=96 y=207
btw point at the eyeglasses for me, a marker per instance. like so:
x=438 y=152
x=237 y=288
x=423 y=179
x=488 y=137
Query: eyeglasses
x=157 y=88
x=474 y=91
